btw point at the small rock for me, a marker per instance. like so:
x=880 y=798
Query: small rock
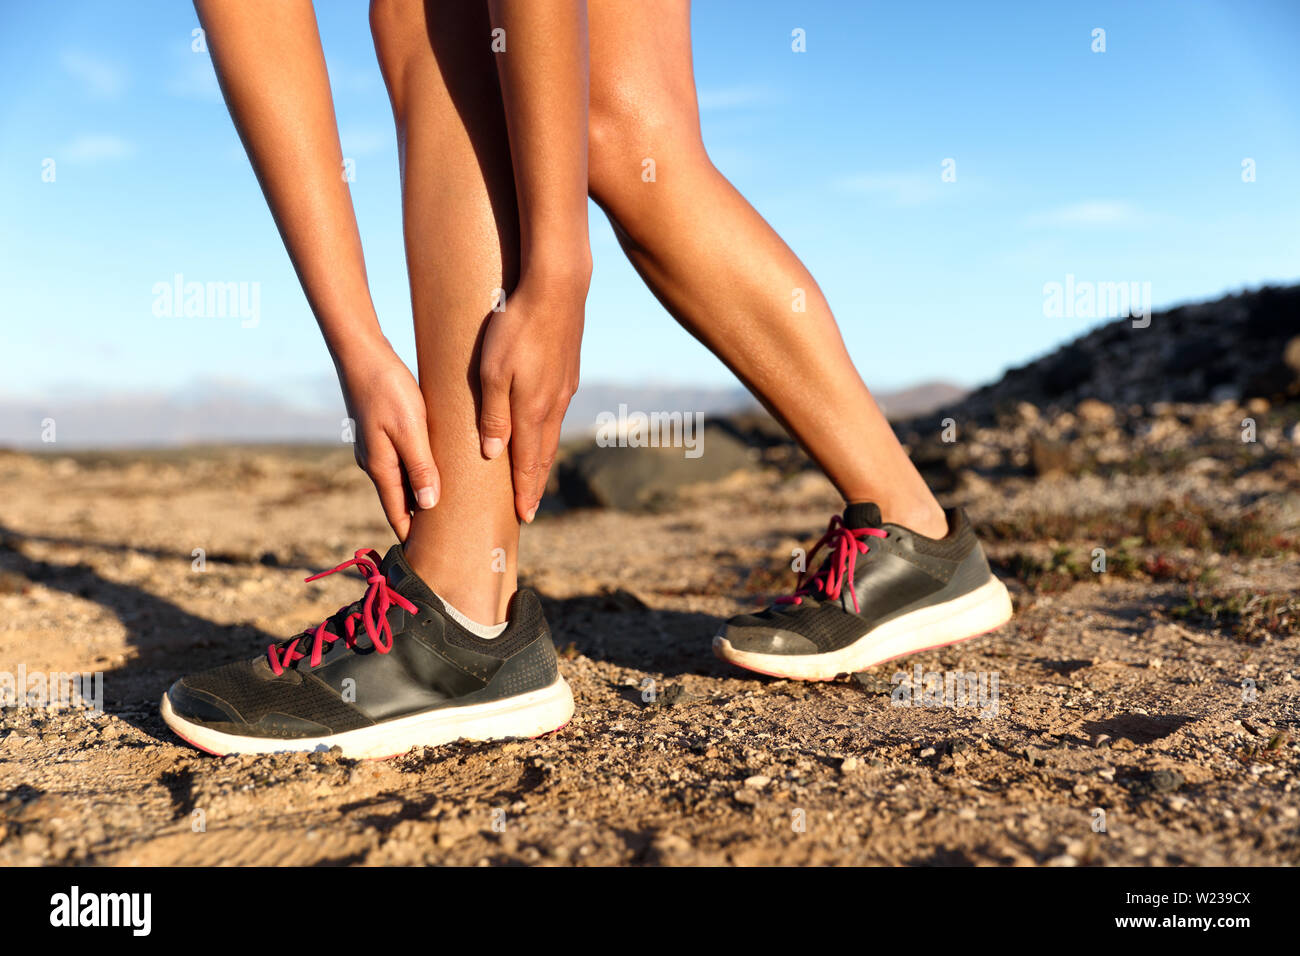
x=1158 y=781
x=675 y=695
x=1257 y=406
x=631 y=478
x=1096 y=413
x=669 y=845
x=1051 y=457
x=872 y=683
x=1166 y=781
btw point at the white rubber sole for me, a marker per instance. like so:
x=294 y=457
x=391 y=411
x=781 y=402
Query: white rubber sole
x=972 y=614
x=524 y=715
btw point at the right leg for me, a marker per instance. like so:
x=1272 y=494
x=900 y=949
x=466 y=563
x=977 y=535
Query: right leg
x=461 y=225
x=720 y=269
x=888 y=587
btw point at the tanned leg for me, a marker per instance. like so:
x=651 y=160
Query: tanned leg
x=720 y=269
x=461 y=227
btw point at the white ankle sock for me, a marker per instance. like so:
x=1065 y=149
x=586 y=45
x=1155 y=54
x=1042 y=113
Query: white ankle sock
x=486 y=631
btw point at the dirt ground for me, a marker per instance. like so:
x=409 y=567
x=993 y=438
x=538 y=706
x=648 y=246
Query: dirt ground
x=1132 y=724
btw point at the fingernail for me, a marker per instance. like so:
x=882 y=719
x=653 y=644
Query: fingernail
x=493 y=447
x=426 y=498
x=531 y=513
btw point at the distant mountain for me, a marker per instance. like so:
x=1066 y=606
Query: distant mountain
x=207 y=412
x=215 y=412
x=220 y=412
x=593 y=399
x=919 y=399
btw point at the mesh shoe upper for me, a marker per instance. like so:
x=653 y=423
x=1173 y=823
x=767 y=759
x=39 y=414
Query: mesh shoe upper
x=900 y=571
x=348 y=680
x=246 y=692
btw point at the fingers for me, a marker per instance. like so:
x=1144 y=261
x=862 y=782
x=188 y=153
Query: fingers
x=532 y=451
x=494 y=420
x=412 y=445
x=401 y=466
x=386 y=473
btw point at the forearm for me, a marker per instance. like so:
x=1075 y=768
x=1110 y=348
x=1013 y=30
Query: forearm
x=269 y=62
x=544 y=88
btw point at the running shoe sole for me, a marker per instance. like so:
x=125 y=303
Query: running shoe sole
x=530 y=714
x=974 y=613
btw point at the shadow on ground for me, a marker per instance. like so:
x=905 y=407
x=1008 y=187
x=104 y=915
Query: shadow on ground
x=169 y=641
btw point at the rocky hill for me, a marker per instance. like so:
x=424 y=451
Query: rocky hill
x=1235 y=348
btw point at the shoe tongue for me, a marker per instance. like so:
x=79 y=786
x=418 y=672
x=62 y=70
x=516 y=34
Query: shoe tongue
x=862 y=514
x=401 y=577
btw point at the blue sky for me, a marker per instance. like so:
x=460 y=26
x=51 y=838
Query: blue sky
x=1115 y=166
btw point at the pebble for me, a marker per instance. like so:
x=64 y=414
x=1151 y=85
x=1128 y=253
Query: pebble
x=1166 y=781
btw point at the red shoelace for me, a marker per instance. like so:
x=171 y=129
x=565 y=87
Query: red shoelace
x=373 y=614
x=844 y=544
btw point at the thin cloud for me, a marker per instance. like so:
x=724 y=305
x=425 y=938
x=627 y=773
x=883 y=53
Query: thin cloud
x=103 y=80
x=96 y=149
x=901 y=189
x=1089 y=213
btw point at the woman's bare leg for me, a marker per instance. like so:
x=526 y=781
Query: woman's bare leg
x=720 y=269
x=461 y=227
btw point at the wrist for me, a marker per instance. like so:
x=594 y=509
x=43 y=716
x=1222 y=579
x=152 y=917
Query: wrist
x=359 y=348
x=561 y=263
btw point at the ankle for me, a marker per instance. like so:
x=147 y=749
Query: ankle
x=481 y=603
x=481 y=594
x=923 y=517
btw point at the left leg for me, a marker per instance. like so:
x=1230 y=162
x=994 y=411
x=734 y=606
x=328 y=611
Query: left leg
x=720 y=269
x=902 y=574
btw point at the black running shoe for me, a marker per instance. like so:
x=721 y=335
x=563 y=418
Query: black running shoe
x=883 y=591
x=390 y=672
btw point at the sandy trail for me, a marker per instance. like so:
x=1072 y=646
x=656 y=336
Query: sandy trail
x=1107 y=708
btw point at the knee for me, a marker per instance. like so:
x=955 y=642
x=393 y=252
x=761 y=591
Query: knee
x=385 y=18
x=392 y=27
x=637 y=141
